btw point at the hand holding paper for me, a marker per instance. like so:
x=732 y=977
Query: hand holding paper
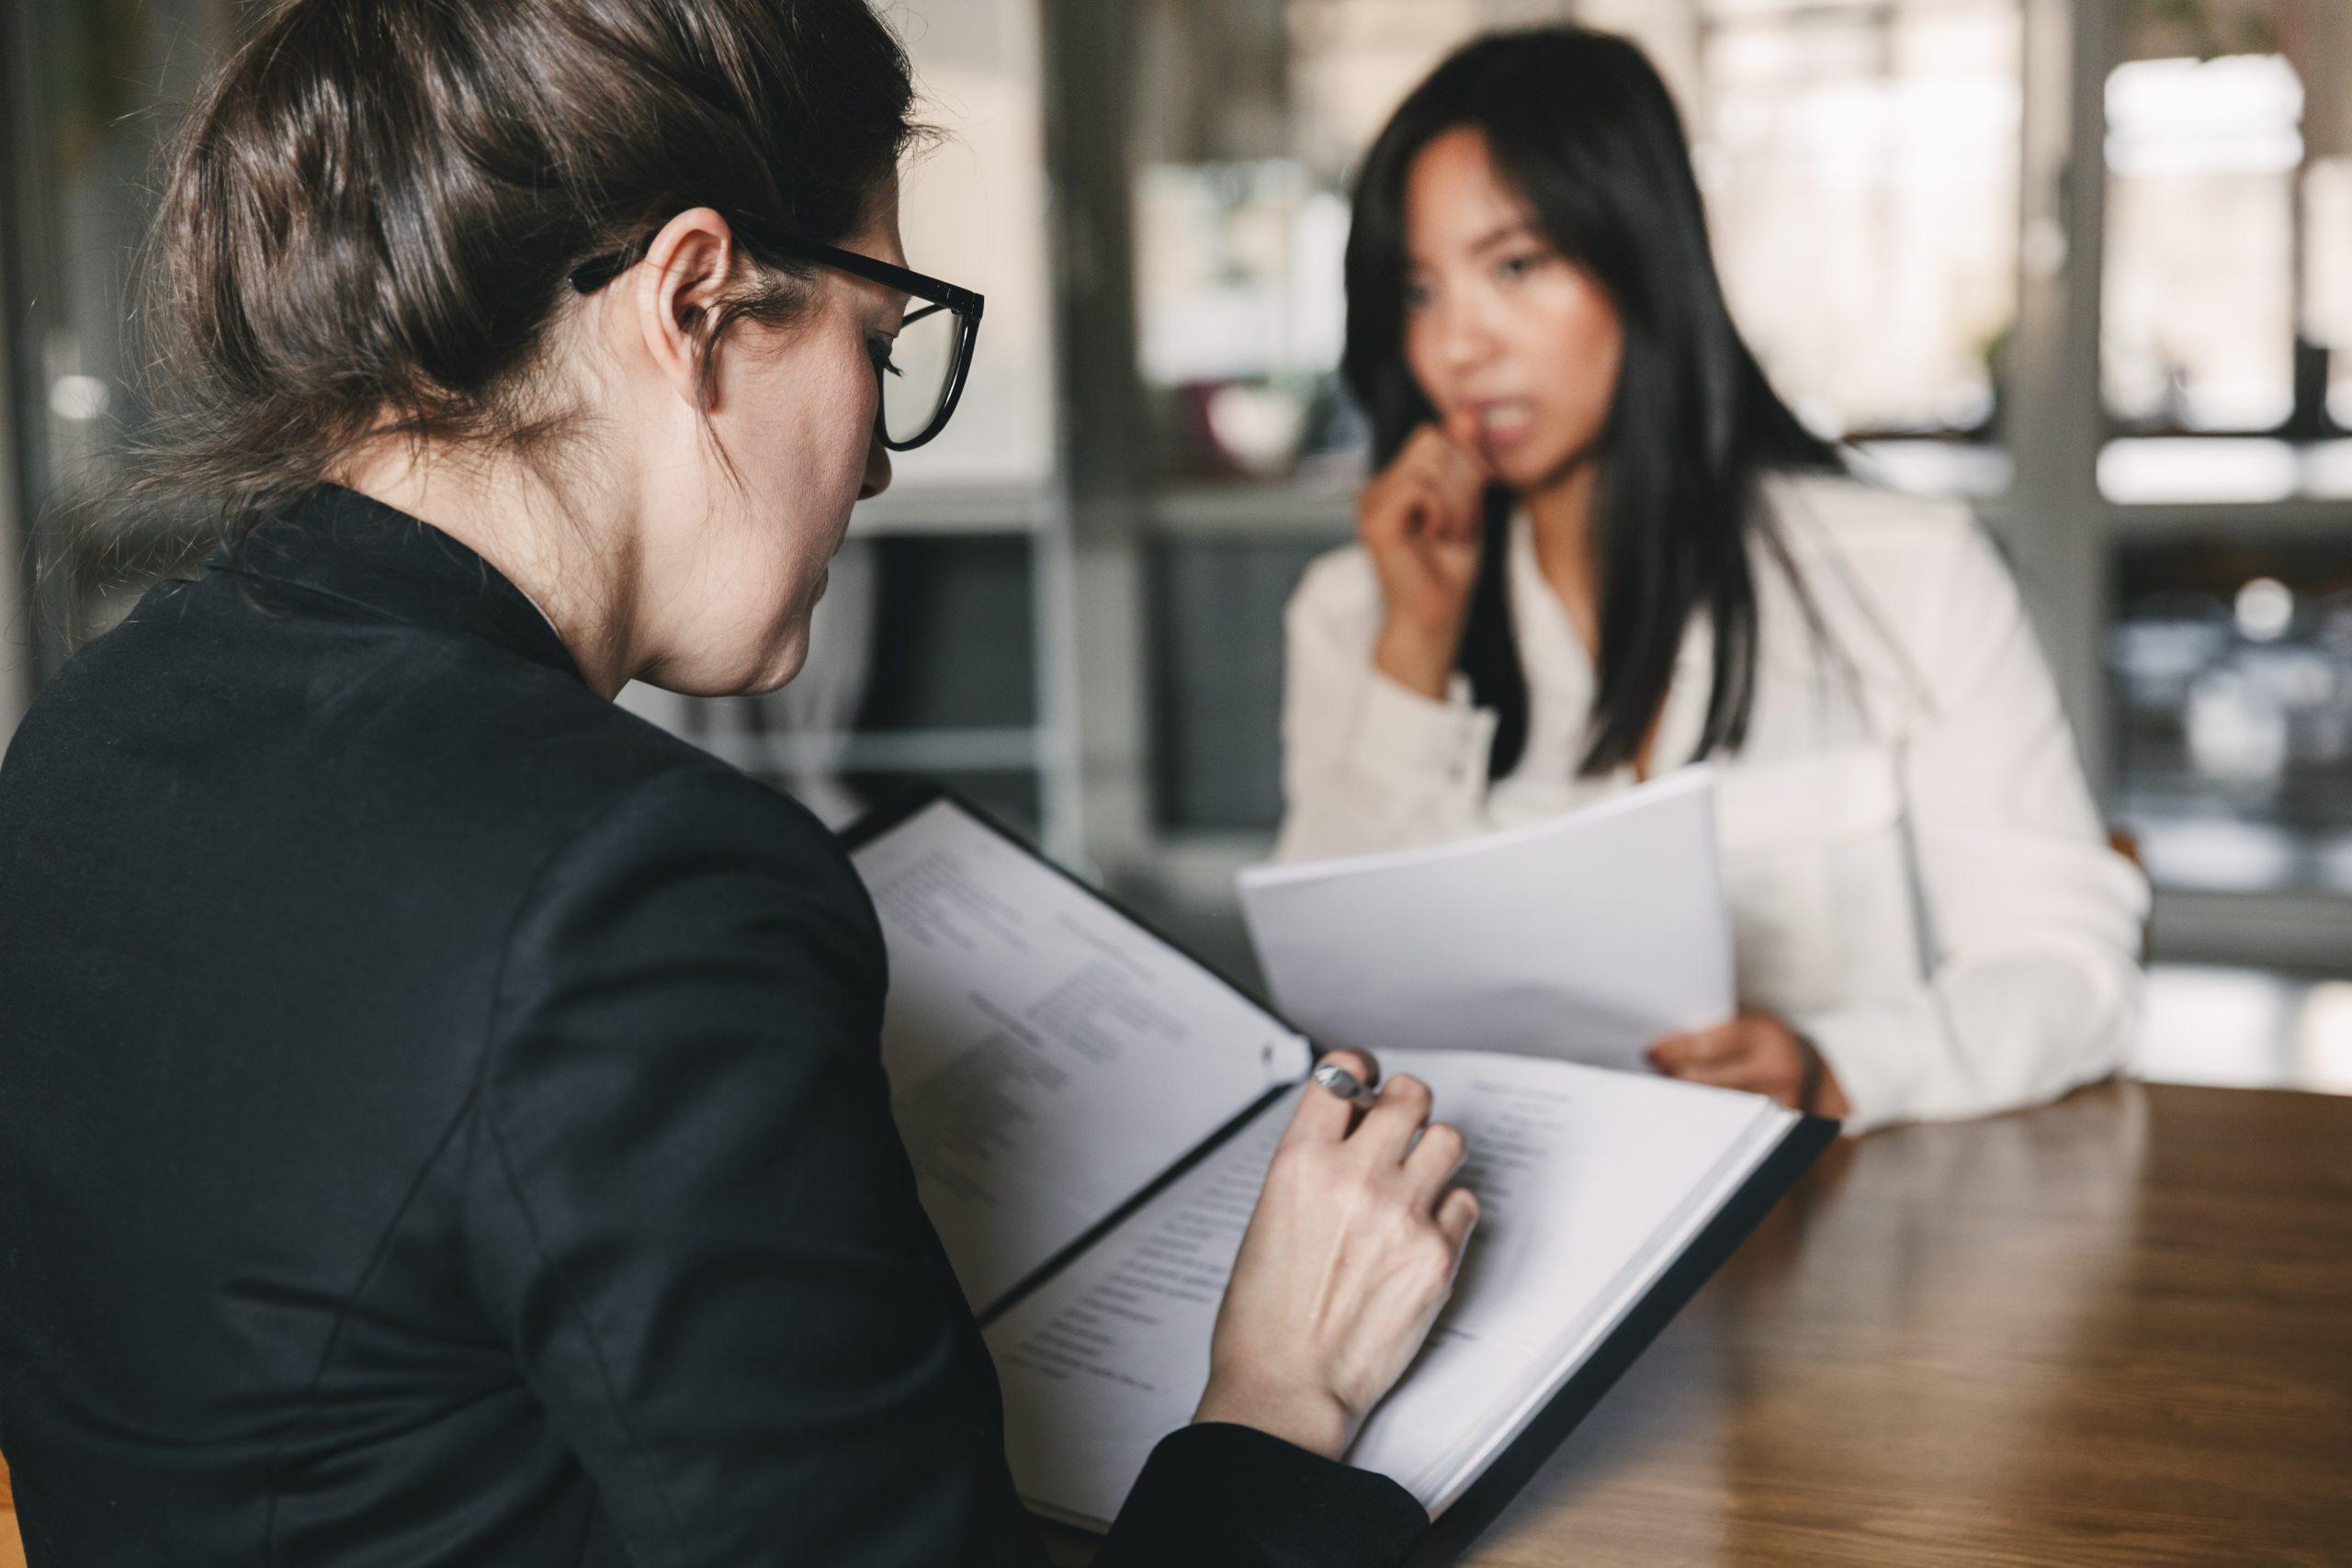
x=1759 y=1053
x=1585 y=938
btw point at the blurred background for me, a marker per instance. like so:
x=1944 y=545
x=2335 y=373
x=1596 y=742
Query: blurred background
x=2087 y=264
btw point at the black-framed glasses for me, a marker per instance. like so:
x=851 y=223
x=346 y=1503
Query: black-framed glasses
x=923 y=377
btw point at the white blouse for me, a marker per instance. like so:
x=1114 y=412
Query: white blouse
x=1918 y=881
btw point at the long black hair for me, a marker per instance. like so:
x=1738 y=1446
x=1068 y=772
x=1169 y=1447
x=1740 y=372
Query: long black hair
x=1580 y=124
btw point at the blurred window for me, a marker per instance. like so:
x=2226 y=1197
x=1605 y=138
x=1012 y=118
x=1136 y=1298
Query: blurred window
x=1861 y=166
x=1872 y=143
x=86 y=139
x=2199 y=293
x=972 y=209
x=2230 y=662
x=2227 y=315
x=2227 y=291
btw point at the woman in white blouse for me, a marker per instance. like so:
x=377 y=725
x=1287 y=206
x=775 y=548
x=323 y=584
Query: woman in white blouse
x=1600 y=547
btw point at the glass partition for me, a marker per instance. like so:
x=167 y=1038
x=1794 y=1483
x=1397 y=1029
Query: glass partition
x=2232 y=665
x=84 y=132
x=2227 y=294
x=1860 y=167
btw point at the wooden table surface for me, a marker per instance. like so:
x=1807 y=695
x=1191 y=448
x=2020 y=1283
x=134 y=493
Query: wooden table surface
x=2118 y=1330
x=2115 y=1330
x=12 y=1551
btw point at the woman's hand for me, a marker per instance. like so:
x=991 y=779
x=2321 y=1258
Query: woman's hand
x=1421 y=519
x=1759 y=1053
x=1349 y=1256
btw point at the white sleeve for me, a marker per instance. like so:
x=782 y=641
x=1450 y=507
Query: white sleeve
x=2034 y=923
x=1368 y=764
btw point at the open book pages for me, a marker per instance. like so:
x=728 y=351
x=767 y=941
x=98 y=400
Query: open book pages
x=1591 y=1183
x=1585 y=937
x=1047 y=1057
x=1051 y=1060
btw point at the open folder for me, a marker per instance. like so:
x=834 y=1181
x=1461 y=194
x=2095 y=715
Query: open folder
x=1090 y=1112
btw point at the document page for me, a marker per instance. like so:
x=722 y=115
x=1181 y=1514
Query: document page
x=1590 y=1182
x=1047 y=1057
x=1585 y=938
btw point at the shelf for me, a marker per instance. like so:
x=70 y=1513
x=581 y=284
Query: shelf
x=2308 y=930
x=881 y=751
x=916 y=510
x=1256 y=510
x=2293 y=519
x=2244 y=472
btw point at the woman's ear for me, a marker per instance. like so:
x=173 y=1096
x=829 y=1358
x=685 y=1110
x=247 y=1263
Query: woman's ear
x=680 y=285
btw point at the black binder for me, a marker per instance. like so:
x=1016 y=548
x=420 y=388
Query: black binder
x=1454 y=1530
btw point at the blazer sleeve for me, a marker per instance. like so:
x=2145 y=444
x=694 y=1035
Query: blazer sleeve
x=2033 y=922
x=1368 y=764
x=693 y=1222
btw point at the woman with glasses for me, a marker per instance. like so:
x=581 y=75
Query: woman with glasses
x=441 y=1116
x=1600 y=547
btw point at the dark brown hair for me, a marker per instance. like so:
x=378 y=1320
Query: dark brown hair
x=369 y=215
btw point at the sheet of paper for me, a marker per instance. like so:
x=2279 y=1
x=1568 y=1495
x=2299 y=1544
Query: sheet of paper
x=1590 y=1181
x=1585 y=938
x=1047 y=1057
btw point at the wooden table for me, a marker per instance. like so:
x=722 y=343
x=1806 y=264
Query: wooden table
x=2118 y=1330
x=2115 y=1330
x=12 y=1551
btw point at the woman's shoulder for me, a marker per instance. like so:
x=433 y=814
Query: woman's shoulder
x=1912 y=590
x=1908 y=555
x=678 y=852
x=557 y=777
x=629 y=778
x=1862 y=519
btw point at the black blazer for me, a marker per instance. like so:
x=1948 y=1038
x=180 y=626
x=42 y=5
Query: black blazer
x=442 y=1123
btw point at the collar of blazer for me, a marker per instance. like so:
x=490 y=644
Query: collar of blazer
x=386 y=564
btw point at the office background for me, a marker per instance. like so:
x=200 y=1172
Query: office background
x=2087 y=264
